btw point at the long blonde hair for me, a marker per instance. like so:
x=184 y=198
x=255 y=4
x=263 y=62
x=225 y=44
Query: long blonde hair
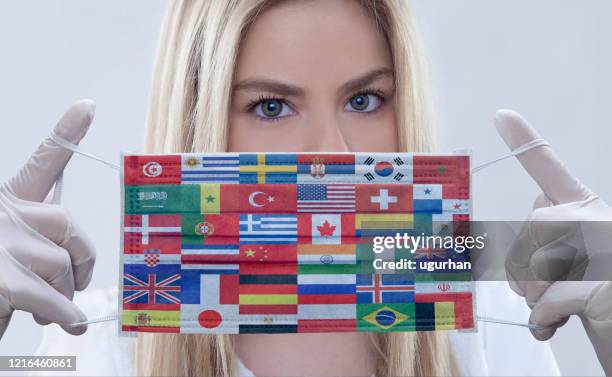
x=188 y=112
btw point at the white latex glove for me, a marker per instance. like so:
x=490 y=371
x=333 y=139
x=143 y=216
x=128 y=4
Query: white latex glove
x=44 y=257
x=561 y=261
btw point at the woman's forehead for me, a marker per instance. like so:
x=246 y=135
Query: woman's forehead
x=304 y=42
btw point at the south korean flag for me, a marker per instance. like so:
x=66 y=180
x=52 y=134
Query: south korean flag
x=383 y=168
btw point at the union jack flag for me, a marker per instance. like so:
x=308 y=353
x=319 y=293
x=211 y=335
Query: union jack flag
x=429 y=253
x=152 y=288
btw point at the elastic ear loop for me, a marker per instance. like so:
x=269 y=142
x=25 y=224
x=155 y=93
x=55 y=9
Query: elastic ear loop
x=520 y=150
x=59 y=181
x=114 y=317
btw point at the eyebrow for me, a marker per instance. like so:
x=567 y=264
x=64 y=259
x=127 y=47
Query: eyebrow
x=366 y=79
x=284 y=89
x=269 y=85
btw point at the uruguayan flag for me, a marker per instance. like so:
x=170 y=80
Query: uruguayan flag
x=197 y=168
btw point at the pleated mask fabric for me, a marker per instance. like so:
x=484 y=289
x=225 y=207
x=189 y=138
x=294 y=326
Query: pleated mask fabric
x=283 y=242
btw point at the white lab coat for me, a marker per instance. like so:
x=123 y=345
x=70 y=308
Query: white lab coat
x=494 y=350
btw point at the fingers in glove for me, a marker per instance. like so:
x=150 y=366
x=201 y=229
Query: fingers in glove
x=561 y=300
x=48 y=305
x=54 y=223
x=48 y=262
x=518 y=260
x=55 y=269
x=561 y=259
x=82 y=256
x=542 y=164
x=541 y=201
x=6 y=311
x=35 y=179
x=30 y=293
x=555 y=244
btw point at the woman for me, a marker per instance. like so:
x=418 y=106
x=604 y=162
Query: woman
x=308 y=76
x=281 y=76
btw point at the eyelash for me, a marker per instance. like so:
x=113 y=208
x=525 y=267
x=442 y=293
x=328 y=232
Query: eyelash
x=262 y=98
x=369 y=91
x=365 y=92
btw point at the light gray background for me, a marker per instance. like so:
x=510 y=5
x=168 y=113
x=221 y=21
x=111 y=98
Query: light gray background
x=548 y=59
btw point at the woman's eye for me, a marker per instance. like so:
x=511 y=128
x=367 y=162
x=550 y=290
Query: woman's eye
x=363 y=103
x=272 y=109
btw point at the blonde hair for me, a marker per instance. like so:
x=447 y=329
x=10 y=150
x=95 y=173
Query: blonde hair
x=188 y=112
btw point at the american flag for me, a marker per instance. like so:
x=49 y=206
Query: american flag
x=326 y=198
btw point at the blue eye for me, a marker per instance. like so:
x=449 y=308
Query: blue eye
x=363 y=103
x=272 y=109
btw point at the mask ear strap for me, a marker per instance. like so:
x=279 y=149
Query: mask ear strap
x=76 y=149
x=114 y=317
x=57 y=189
x=522 y=149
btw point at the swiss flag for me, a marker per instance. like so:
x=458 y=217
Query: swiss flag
x=152 y=232
x=256 y=198
x=384 y=198
x=152 y=169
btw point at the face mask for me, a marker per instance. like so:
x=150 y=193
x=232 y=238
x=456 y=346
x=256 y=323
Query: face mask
x=285 y=243
x=427 y=174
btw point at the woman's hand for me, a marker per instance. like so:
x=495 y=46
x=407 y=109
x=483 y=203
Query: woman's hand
x=44 y=257
x=561 y=261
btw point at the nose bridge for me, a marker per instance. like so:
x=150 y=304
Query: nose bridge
x=327 y=133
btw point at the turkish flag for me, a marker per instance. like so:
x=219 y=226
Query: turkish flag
x=384 y=198
x=257 y=198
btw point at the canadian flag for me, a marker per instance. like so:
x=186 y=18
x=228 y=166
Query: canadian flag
x=326 y=229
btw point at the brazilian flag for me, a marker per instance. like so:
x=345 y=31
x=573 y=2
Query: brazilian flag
x=386 y=317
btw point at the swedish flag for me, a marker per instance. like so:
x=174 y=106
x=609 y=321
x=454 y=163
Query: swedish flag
x=268 y=168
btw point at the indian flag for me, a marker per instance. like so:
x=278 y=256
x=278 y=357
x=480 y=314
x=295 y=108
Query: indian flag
x=326 y=259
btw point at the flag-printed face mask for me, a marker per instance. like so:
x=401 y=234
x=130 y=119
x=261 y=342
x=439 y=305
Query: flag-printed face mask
x=283 y=243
